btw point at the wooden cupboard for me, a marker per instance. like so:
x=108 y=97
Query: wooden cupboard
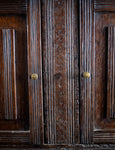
x=57 y=74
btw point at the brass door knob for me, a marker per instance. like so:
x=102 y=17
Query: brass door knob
x=86 y=74
x=34 y=76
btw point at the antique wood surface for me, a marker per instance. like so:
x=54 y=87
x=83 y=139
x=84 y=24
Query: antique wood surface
x=13 y=99
x=97 y=125
x=10 y=99
x=58 y=40
x=66 y=147
x=35 y=66
x=111 y=73
x=104 y=126
x=13 y=6
x=86 y=65
x=60 y=71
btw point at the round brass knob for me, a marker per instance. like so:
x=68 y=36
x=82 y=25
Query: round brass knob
x=86 y=74
x=34 y=76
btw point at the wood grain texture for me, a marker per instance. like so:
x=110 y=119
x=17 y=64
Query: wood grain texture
x=104 y=5
x=104 y=126
x=104 y=136
x=35 y=66
x=61 y=92
x=61 y=46
x=14 y=125
x=15 y=138
x=86 y=65
x=9 y=74
x=61 y=147
x=111 y=73
x=13 y=73
x=13 y=6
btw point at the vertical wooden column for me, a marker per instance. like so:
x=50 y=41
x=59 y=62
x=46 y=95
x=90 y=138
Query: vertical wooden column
x=86 y=65
x=35 y=66
x=111 y=73
x=61 y=71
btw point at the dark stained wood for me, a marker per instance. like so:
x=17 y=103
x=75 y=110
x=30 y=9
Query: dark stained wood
x=86 y=65
x=104 y=131
x=8 y=78
x=60 y=71
x=104 y=5
x=61 y=147
x=35 y=66
x=104 y=136
x=96 y=57
x=15 y=137
x=14 y=103
x=13 y=76
x=111 y=73
x=13 y=7
x=59 y=40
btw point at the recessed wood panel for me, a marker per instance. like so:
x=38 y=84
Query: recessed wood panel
x=14 y=109
x=14 y=100
x=9 y=74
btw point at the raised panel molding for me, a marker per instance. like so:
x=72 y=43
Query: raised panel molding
x=111 y=73
x=8 y=85
x=15 y=137
x=61 y=147
x=60 y=73
x=103 y=136
x=104 y=5
x=15 y=6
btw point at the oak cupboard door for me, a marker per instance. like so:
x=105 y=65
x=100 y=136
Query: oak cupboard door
x=46 y=110
x=57 y=78
x=97 y=56
x=20 y=57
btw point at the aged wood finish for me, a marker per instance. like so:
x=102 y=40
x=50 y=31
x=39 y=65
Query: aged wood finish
x=14 y=105
x=63 y=147
x=60 y=71
x=35 y=66
x=13 y=100
x=46 y=102
x=9 y=82
x=86 y=65
x=104 y=131
x=111 y=73
x=96 y=47
x=104 y=5
x=13 y=6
